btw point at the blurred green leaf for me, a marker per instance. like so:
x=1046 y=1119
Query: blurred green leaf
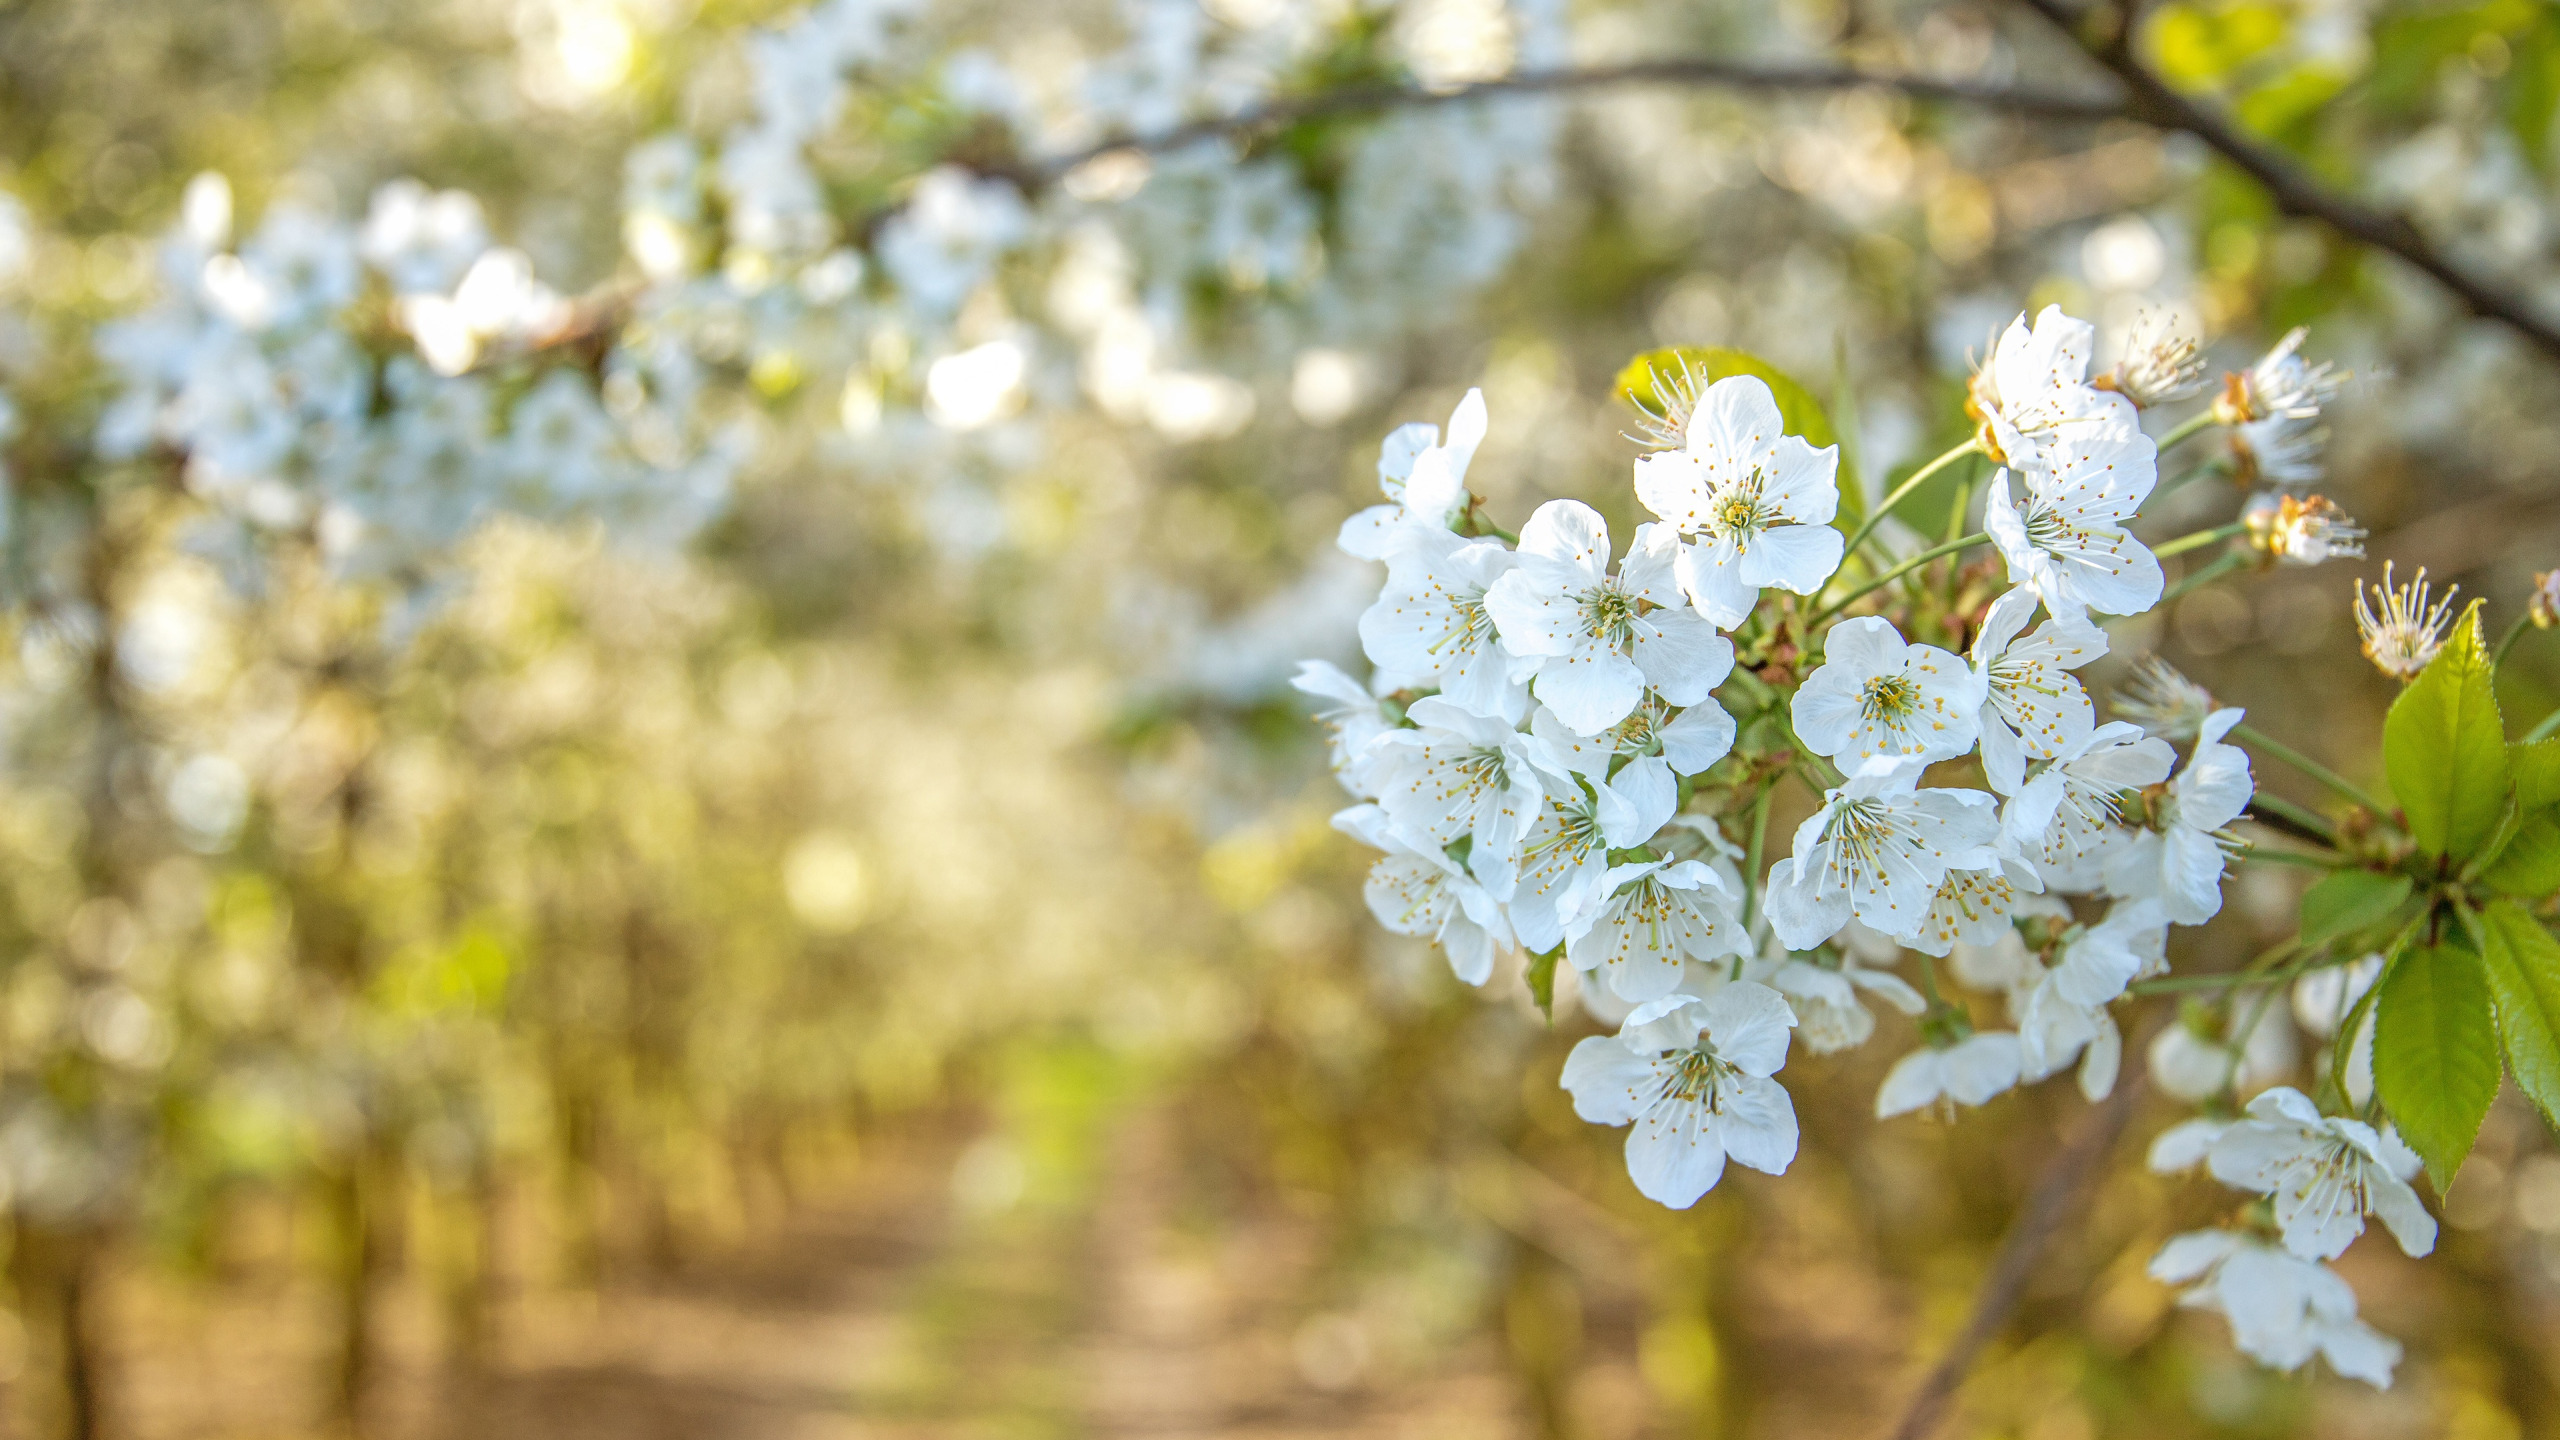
x=2445 y=748
x=2196 y=45
x=2347 y=901
x=2533 y=86
x=2523 y=964
x=2435 y=1053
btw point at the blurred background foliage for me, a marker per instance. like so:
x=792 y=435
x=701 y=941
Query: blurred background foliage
x=886 y=969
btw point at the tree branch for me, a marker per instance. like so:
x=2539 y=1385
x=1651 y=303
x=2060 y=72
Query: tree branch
x=2056 y=1196
x=2150 y=100
x=1708 y=73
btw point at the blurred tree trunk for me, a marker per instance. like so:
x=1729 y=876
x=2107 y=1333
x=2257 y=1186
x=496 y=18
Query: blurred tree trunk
x=54 y=1270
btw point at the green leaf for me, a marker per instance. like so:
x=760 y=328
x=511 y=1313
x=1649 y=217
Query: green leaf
x=2435 y=1053
x=2530 y=865
x=1541 y=976
x=1797 y=407
x=2523 y=963
x=2446 y=749
x=2346 y=901
x=2536 y=768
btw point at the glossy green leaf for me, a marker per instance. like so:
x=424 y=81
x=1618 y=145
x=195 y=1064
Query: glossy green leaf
x=2530 y=865
x=2435 y=1053
x=1797 y=406
x=2536 y=770
x=2446 y=749
x=1541 y=975
x=2347 y=901
x=2523 y=964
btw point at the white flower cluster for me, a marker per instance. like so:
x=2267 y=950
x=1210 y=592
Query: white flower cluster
x=318 y=379
x=1541 y=712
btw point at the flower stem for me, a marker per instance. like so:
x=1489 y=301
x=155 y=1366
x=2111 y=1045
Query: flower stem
x=1964 y=504
x=1910 y=483
x=2182 y=480
x=2198 y=539
x=1896 y=573
x=2221 y=566
x=2507 y=641
x=2313 y=768
x=2550 y=723
x=1751 y=860
x=2279 y=814
x=2255 y=972
x=2193 y=424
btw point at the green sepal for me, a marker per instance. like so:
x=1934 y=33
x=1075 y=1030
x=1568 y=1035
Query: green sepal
x=1541 y=975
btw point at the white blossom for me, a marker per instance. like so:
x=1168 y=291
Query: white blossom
x=1646 y=919
x=1969 y=1072
x=2283 y=1309
x=1424 y=893
x=1877 y=702
x=2324 y=1173
x=2033 y=395
x=1351 y=717
x=2164 y=702
x=1642 y=756
x=2032 y=706
x=2067 y=820
x=1423 y=477
x=2323 y=998
x=1459 y=773
x=2185 y=1145
x=1972 y=906
x=1830 y=1016
x=1759 y=501
x=1692 y=1076
x=1563 y=861
x=1876 y=849
x=2066 y=540
x=2179 y=857
x=1431 y=621
x=1599 y=640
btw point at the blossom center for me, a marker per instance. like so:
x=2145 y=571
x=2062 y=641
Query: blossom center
x=1697 y=1077
x=1889 y=699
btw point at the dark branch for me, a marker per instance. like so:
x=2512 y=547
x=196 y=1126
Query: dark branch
x=2149 y=99
x=2057 y=1194
x=1706 y=73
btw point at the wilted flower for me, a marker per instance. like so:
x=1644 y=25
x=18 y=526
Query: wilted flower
x=2161 y=363
x=2546 y=599
x=2163 y=701
x=2404 y=629
x=2282 y=385
x=1664 y=425
x=2301 y=531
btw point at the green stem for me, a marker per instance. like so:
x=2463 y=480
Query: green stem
x=2200 y=421
x=1751 y=859
x=1902 y=491
x=2550 y=723
x=2181 y=480
x=2198 y=539
x=2251 y=735
x=1896 y=573
x=2293 y=857
x=2507 y=641
x=2254 y=972
x=1964 y=504
x=2221 y=566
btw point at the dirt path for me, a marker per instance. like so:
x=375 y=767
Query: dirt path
x=894 y=1311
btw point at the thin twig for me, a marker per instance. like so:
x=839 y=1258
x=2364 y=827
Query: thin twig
x=2150 y=100
x=2057 y=1194
x=1706 y=72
